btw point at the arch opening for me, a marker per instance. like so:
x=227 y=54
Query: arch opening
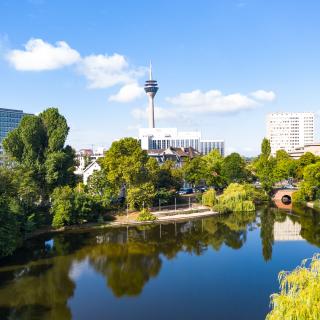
x=286 y=199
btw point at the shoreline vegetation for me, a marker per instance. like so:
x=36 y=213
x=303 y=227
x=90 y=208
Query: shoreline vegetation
x=39 y=188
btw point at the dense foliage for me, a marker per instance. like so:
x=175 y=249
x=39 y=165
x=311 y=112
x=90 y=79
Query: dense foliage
x=38 y=163
x=299 y=293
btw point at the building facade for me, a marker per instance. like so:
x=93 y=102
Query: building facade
x=9 y=120
x=177 y=155
x=313 y=148
x=290 y=130
x=89 y=170
x=163 y=138
x=85 y=157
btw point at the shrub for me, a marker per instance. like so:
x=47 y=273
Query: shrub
x=71 y=207
x=146 y=215
x=209 y=198
x=298 y=197
x=299 y=293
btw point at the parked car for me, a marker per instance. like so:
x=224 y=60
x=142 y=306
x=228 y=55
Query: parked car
x=185 y=191
x=200 y=189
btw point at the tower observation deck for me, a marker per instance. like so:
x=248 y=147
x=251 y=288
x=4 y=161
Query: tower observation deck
x=151 y=88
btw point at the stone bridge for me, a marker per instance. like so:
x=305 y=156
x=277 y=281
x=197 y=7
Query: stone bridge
x=283 y=198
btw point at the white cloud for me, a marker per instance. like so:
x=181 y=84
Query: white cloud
x=185 y=105
x=212 y=101
x=128 y=92
x=103 y=71
x=263 y=95
x=40 y=55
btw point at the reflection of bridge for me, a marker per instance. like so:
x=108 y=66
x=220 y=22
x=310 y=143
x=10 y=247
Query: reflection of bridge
x=287 y=231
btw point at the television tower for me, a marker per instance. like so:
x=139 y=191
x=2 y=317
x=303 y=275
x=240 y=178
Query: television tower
x=151 y=88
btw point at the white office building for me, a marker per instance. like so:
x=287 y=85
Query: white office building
x=289 y=130
x=163 y=138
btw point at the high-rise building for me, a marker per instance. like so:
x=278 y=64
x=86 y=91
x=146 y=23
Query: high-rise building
x=9 y=120
x=153 y=138
x=290 y=130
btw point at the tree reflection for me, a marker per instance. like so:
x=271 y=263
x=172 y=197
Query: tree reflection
x=127 y=258
x=267 y=219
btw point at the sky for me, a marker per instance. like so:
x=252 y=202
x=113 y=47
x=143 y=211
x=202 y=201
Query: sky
x=221 y=65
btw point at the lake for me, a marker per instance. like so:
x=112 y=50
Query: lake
x=223 y=267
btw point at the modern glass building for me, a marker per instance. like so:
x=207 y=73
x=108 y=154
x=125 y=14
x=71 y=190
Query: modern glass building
x=9 y=120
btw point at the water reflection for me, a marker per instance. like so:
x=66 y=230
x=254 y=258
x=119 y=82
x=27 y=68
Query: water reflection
x=287 y=230
x=38 y=281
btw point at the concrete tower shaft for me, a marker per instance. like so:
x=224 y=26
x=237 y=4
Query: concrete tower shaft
x=151 y=88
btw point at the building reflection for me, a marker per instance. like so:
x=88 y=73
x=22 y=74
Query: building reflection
x=287 y=231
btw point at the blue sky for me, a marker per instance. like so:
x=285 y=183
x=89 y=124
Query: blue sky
x=221 y=65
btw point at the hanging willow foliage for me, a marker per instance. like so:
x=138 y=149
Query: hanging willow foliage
x=235 y=198
x=299 y=297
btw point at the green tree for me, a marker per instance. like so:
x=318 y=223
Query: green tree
x=168 y=176
x=264 y=167
x=234 y=168
x=194 y=171
x=303 y=161
x=37 y=146
x=285 y=166
x=125 y=164
x=141 y=196
x=213 y=163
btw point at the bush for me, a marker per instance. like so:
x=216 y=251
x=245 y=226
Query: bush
x=209 y=198
x=146 y=215
x=299 y=293
x=72 y=207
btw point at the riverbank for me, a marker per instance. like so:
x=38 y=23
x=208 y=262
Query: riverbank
x=130 y=221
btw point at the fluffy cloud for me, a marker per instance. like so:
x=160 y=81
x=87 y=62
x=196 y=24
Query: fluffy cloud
x=128 y=92
x=185 y=105
x=263 y=95
x=40 y=55
x=212 y=101
x=103 y=71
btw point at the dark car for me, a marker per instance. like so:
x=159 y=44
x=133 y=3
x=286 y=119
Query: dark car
x=185 y=191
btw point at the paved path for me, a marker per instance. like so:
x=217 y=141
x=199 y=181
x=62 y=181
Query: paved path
x=187 y=216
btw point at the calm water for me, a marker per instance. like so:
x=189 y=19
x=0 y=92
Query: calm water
x=216 y=268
